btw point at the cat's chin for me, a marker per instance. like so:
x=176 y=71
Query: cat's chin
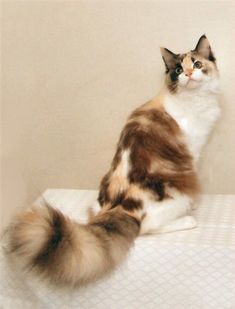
x=191 y=84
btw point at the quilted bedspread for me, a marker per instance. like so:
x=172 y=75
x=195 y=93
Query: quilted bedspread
x=182 y=270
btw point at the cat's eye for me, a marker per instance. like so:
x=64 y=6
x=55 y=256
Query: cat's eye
x=179 y=70
x=197 y=65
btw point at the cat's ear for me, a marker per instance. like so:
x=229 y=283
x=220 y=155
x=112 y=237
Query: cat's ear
x=169 y=58
x=203 y=48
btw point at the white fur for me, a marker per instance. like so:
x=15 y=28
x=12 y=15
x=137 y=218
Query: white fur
x=123 y=168
x=125 y=160
x=119 y=178
x=195 y=111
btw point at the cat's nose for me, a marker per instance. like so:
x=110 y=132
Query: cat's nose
x=188 y=73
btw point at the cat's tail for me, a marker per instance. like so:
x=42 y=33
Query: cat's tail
x=65 y=252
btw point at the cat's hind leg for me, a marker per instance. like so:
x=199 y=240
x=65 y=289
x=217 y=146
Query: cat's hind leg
x=162 y=214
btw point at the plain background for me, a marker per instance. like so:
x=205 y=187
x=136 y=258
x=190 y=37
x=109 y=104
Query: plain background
x=71 y=73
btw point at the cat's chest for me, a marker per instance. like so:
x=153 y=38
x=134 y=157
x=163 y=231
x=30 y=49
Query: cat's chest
x=195 y=117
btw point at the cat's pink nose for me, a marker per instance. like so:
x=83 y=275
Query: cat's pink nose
x=189 y=73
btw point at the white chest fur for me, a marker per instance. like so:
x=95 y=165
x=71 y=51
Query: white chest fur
x=195 y=112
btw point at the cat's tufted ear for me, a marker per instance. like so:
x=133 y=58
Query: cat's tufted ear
x=203 y=48
x=170 y=59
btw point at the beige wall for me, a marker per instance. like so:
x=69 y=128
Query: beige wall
x=73 y=70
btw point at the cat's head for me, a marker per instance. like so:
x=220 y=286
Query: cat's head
x=191 y=70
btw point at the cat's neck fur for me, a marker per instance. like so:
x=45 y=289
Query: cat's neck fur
x=195 y=110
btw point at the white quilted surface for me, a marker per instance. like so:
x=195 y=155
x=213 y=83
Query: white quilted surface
x=183 y=270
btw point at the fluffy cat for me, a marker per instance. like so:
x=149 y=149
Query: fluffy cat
x=150 y=188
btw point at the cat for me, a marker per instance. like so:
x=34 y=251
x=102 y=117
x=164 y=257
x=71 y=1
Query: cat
x=150 y=188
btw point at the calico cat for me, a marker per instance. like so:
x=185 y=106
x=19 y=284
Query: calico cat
x=150 y=188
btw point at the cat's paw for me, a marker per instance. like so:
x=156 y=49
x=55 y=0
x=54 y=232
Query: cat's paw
x=189 y=222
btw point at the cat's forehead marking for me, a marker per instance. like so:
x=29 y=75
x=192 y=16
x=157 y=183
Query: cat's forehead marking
x=187 y=61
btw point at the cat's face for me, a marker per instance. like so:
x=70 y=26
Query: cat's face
x=190 y=70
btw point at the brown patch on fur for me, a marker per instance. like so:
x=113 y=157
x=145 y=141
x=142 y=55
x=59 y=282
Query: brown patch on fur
x=135 y=191
x=158 y=158
x=130 y=203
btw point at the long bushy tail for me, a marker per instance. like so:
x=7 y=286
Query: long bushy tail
x=69 y=253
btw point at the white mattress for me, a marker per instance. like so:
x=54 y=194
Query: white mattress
x=182 y=270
